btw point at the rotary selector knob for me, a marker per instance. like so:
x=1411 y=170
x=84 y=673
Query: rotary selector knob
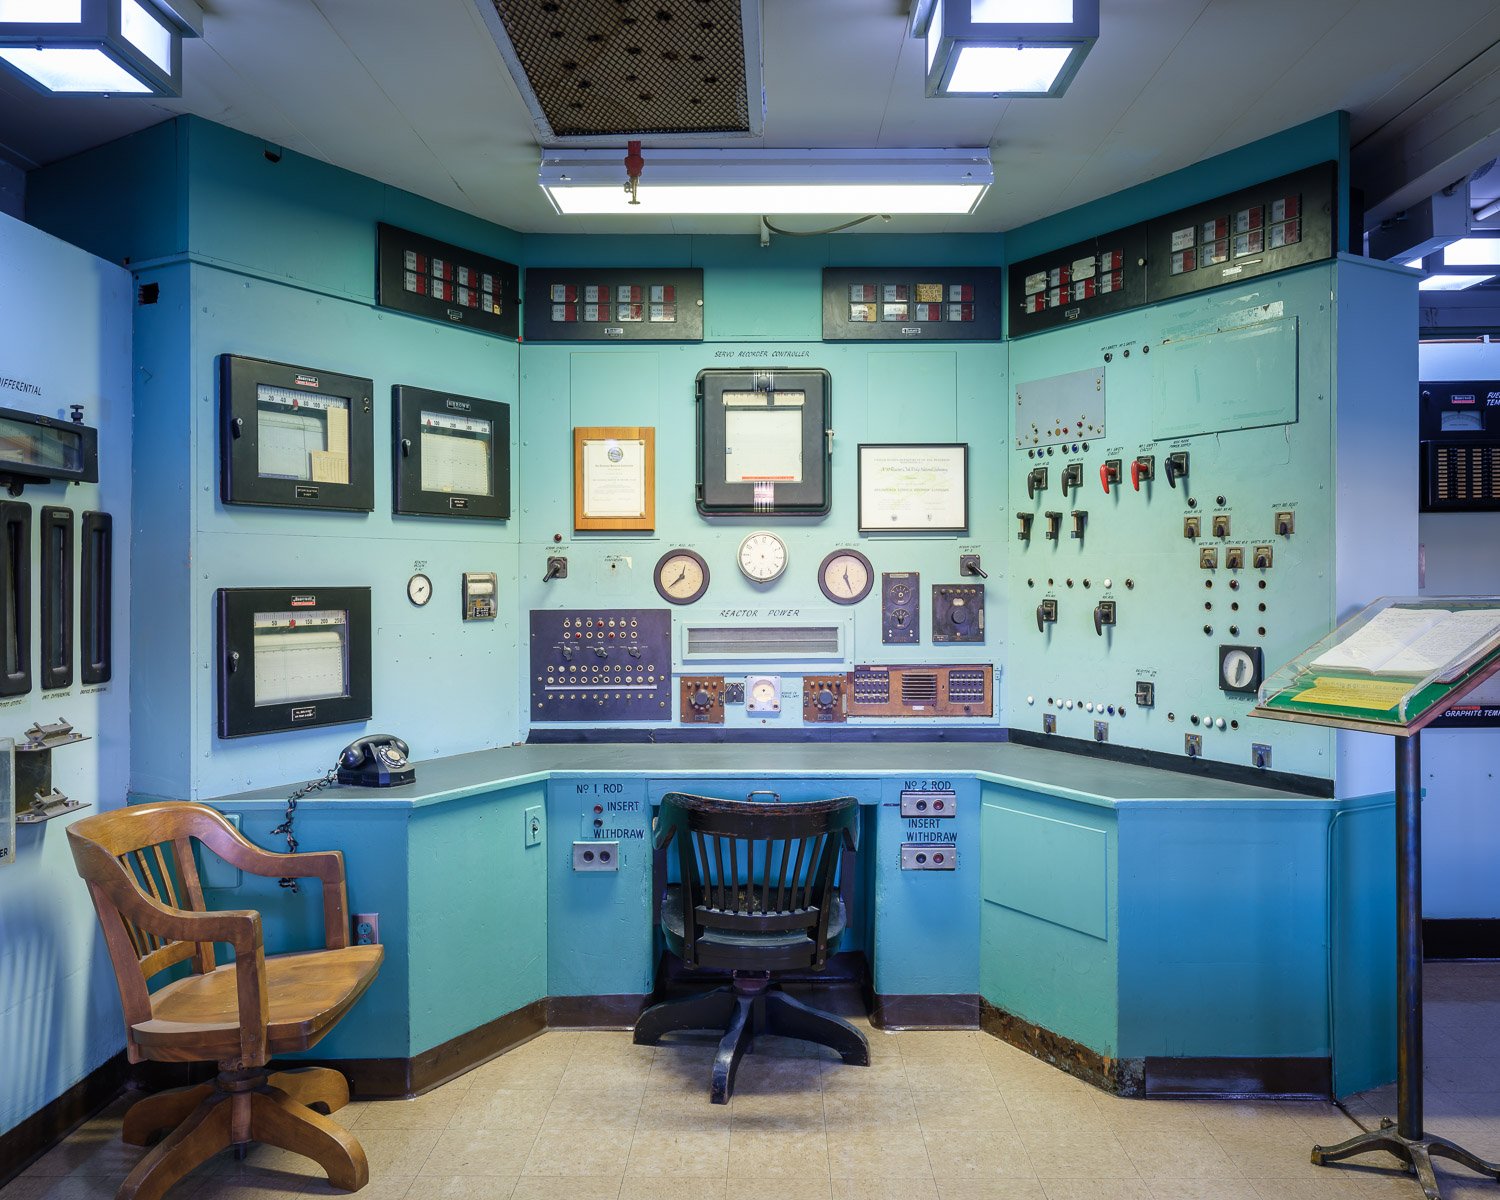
x=825 y=698
x=701 y=699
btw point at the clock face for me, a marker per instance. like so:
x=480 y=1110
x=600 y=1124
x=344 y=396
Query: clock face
x=419 y=589
x=681 y=577
x=846 y=576
x=762 y=557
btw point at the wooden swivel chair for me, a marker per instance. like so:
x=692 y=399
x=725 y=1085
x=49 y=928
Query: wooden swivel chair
x=758 y=894
x=138 y=864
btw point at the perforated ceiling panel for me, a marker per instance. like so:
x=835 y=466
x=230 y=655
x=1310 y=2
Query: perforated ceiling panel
x=600 y=67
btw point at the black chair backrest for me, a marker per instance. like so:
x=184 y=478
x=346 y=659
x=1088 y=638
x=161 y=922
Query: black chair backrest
x=757 y=868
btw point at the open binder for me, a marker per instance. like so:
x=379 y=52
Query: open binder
x=1394 y=666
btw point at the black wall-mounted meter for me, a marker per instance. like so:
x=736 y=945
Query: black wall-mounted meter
x=1460 y=431
x=295 y=437
x=292 y=657
x=764 y=442
x=37 y=449
x=452 y=454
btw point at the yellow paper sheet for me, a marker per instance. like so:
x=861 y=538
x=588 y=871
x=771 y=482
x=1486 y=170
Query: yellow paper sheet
x=1375 y=694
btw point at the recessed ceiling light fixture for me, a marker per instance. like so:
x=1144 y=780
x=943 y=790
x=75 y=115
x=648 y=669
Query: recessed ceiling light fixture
x=98 y=47
x=1004 y=48
x=1451 y=283
x=780 y=182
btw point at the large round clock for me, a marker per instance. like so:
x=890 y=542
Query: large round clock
x=681 y=577
x=762 y=557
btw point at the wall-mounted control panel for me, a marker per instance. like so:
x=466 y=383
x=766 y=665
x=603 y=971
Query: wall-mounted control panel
x=929 y=804
x=937 y=690
x=601 y=665
x=929 y=856
x=481 y=596
x=570 y=304
x=897 y=304
x=1460 y=432
x=900 y=608
x=957 y=612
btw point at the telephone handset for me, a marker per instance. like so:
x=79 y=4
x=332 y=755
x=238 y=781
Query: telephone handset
x=379 y=760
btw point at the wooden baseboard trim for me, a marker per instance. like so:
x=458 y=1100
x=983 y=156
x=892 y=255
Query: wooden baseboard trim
x=1122 y=1076
x=38 y=1133
x=1233 y=1078
x=924 y=1012
x=1460 y=938
x=594 y=1012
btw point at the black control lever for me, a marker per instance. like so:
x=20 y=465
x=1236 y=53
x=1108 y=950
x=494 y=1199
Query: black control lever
x=1046 y=614
x=1177 y=467
x=1072 y=477
x=1054 y=523
x=1104 y=614
x=1036 y=481
x=968 y=564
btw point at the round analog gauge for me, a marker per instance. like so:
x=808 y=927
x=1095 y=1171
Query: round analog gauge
x=846 y=576
x=762 y=557
x=1239 y=670
x=419 y=589
x=681 y=577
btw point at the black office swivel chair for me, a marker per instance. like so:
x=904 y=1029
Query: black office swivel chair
x=757 y=895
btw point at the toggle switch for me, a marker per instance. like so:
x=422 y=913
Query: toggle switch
x=1104 y=614
x=1145 y=694
x=1285 y=523
x=1192 y=527
x=1080 y=519
x=1054 y=523
x=1072 y=477
x=1208 y=558
x=1262 y=558
x=1234 y=558
x=1177 y=467
x=1109 y=473
x=1193 y=744
x=1036 y=481
x=1046 y=614
x=1221 y=525
x=1144 y=467
x=1260 y=755
x=968 y=564
x=1024 y=533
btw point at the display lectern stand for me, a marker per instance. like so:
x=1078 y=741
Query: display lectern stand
x=1392 y=669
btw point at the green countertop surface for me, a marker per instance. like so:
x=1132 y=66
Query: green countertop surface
x=1066 y=775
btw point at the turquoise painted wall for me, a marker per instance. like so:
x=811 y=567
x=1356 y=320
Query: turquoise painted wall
x=64 y=339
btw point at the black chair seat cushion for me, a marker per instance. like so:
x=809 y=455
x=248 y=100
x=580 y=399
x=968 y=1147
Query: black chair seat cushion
x=673 y=926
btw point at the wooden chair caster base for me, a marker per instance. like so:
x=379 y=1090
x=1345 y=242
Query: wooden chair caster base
x=237 y=1108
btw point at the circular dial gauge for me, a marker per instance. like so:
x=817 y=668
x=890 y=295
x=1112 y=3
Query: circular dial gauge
x=1239 y=670
x=419 y=589
x=763 y=693
x=681 y=577
x=846 y=576
x=762 y=557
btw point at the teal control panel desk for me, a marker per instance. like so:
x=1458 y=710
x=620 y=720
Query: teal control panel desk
x=1134 y=924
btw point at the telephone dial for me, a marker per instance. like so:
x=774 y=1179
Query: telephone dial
x=380 y=760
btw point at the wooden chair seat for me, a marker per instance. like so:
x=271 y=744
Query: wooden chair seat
x=197 y=1017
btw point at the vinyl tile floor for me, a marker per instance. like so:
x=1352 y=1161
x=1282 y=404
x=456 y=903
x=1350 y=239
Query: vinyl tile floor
x=587 y=1115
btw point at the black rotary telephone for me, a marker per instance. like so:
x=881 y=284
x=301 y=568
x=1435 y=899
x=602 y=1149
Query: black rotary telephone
x=376 y=761
x=380 y=760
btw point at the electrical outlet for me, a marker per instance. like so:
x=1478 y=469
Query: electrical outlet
x=596 y=856
x=367 y=929
x=536 y=825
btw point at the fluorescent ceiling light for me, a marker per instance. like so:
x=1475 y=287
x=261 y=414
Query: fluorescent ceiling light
x=97 y=47
x=89 y=72
x=1005 y=48
x=1472 y=252
x=1450 y=283
x=770 y=182
x=1414 y=263
x=989 y=70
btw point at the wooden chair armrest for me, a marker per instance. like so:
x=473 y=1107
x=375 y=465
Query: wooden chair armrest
x=327 y=866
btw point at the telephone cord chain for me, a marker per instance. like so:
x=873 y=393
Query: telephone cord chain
x=285 y=828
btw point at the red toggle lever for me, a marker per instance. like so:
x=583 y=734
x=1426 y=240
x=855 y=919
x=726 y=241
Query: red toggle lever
x=1109 y=472
x=1135 y=474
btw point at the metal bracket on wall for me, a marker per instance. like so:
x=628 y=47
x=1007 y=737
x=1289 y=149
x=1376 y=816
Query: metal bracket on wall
x=34 y=773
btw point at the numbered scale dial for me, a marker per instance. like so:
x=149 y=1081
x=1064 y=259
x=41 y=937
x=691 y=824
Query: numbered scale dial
x=681 y=577
x=846 y=576
x=419 y=589
x=762 y=557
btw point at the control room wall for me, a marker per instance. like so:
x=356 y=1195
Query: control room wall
x=1461 y=839
x=64 y=339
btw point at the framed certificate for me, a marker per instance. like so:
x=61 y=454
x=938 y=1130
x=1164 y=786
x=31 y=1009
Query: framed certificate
x=614 y=477
x=914 y=487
